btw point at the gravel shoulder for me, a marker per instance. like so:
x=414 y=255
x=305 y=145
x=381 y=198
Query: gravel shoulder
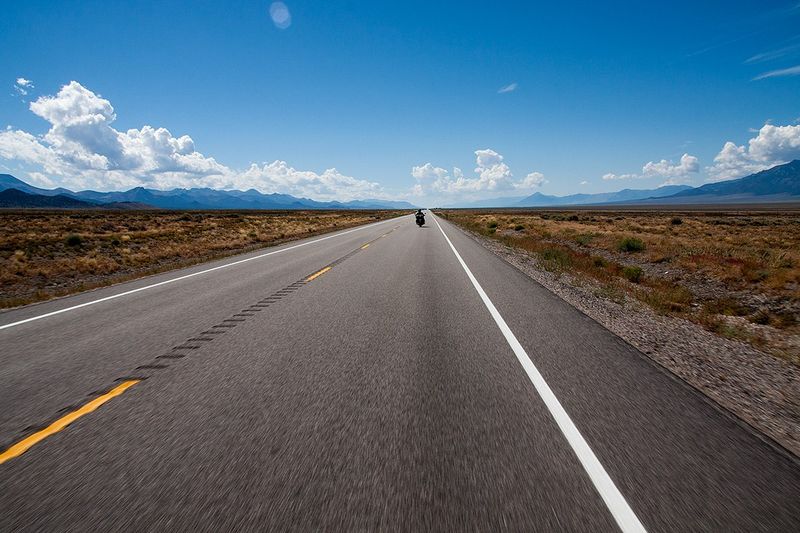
x=758 y=388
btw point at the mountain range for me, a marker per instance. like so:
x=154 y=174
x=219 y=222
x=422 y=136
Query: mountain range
x=777 y=184
x=545 y=200
x=199 y=198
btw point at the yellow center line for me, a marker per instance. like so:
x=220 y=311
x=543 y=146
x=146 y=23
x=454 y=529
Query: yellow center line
x=365 y=246
x=23 y=445
x=317 y=274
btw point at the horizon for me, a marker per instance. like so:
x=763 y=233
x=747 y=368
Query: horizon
x=413 y=103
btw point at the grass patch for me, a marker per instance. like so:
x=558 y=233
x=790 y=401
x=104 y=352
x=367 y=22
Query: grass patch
x=631 y=244
x=556 y=259
x=632 y=273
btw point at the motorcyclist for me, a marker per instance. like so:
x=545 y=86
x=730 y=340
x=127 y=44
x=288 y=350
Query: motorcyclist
x=420 y=216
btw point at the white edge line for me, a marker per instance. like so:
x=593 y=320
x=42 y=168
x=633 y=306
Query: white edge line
x=625 y=517
x=226 y=265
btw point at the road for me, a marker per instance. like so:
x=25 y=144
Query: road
x=383 y=378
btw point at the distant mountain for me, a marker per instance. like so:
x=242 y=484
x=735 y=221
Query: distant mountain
x=777 y=184
x=491 y=202
x=542 y=200
x=7 y=181
x=14 y=198
x=200 y=198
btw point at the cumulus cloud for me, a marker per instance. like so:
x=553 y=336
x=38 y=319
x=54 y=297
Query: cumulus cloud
x=280 y=15
x=84 y=151
x=612 y=176
x=531 y=181
x=491 y=174
x=772 y=146
x=510 y=88
x=672 y=172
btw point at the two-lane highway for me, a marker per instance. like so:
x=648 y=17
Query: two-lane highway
x=387 y=377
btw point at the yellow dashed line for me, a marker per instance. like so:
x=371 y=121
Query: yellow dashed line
x=365 y=246
x=23 y=445
x=317 y=274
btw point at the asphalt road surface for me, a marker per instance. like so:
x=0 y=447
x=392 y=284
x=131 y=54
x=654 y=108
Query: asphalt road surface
x=384 y=378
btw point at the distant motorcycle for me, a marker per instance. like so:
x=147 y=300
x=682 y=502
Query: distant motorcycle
x=420 y=219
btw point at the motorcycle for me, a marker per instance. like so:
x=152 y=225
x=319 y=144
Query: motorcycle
x=420 y=219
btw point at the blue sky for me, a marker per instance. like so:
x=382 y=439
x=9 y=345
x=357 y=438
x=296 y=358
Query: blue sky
x=401 y=99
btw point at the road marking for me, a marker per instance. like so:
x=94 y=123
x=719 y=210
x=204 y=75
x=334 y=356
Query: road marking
x=317 y=274
x=23 y=445
x=126 y=293
x=365 y=246
x=625 y=517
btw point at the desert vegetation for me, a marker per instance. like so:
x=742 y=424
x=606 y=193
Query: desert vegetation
x=735 y=273
x=48 y=254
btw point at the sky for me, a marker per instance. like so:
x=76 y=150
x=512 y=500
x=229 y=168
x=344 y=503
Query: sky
x=432 y=102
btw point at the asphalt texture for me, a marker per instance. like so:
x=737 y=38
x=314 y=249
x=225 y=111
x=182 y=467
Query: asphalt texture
x=380 y=395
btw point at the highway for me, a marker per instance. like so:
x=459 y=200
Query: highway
x=386 y=377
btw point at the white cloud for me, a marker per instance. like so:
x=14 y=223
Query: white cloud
x=772 y=54
x=279 y=13
x=584 y=182
x=510 y=88
x=791 y=71
x=532 y=181
x=612 y=176
x=672 y=172
x=22 y=86
x=428 y=172
x=772 y=146
x=84 y=151
x=492 y=174
x=40 y=180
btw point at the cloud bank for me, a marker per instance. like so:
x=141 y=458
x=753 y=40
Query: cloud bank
x=671 y=172
x=491 y=174
x=83 y=150
x=774 y=145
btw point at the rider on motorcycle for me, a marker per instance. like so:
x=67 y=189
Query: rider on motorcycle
x=420 y=216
